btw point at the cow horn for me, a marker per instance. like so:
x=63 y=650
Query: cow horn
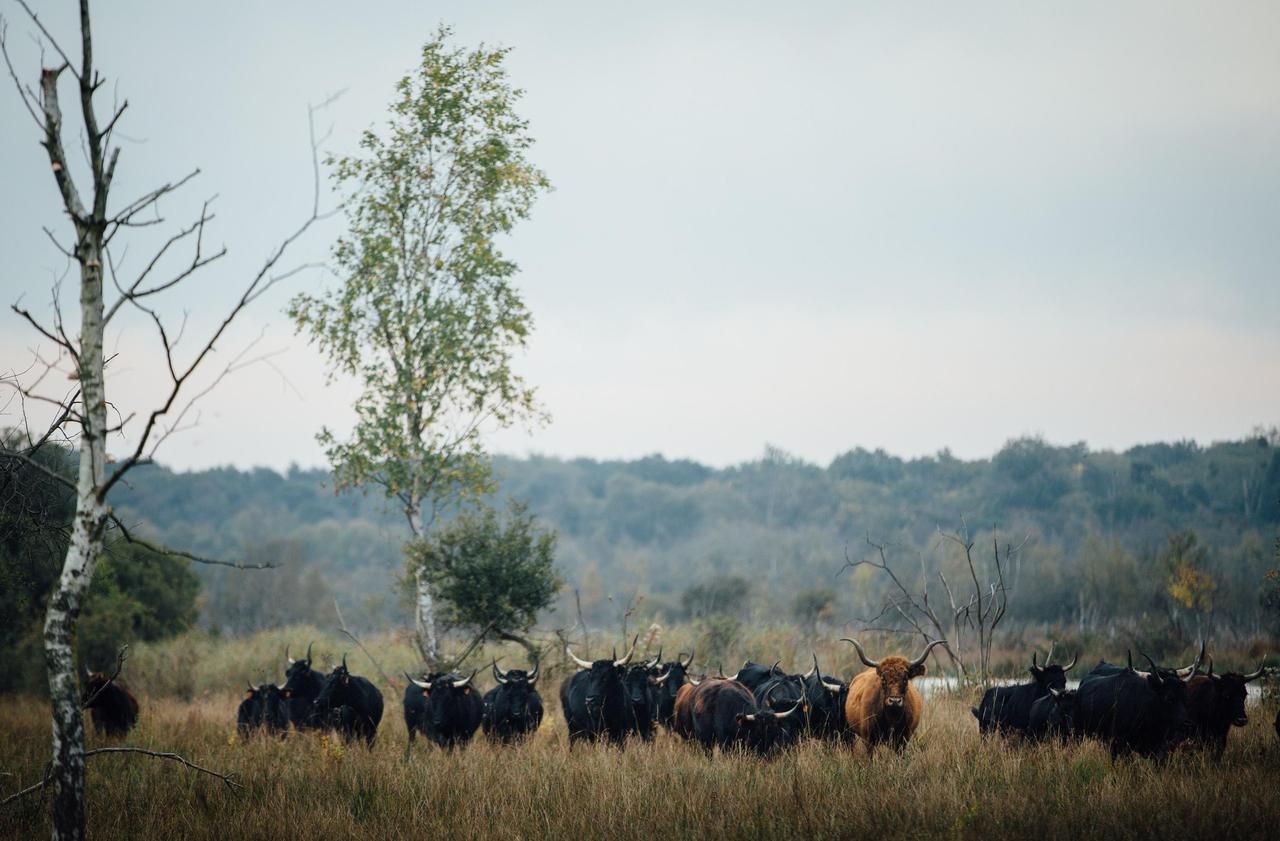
x=653 y=664
x=661 y=679
x=1262 y=667
x=814 y=670
x=1054 y=692
x=919 y=661
x=1129 y=653
x=497 y=673
x=1190 y=671
x=421 y=684
x=774 y=668
x=344 y=661
x=862 y=655
x=1034 y=665
x=625 y=660
x=694 y=682
x=532 y=677
x=1210 y=667
x=685 y=664
x=252 y=688
x=286 y=655
x=309 y=651
x=1155 y=670
x=584 y=664
x=1072 y=664
x=461 y=684
x=735 y=674
x=831 y=687
x=1048 y=658
x=787 y=714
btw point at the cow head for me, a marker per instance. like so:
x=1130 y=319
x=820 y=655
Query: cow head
x=1050 y=677
x=1229 y=693
x=605 y=676
x=270 y=706
x=516 y=694
x=298 y=672
x=1171 y=689
x=336 y=690
x=767 y=730
x=1064 y=702
x=444 y=692
x=895 y=674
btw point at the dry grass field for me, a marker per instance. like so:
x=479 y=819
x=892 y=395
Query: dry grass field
x=948 y=783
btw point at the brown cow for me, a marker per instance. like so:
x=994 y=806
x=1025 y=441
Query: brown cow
x=111 y=705
x=882 y=705
x=682 y=718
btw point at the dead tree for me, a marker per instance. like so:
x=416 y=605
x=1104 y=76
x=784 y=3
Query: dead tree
x=957 y=620
x=80 y=415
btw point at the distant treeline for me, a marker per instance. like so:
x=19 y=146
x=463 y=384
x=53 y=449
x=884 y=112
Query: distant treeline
x=1160 y=540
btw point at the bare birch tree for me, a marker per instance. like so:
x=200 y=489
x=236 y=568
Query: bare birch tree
x=80 y=416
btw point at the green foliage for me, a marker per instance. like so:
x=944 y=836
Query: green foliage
x=490 y=571
x=426 y=317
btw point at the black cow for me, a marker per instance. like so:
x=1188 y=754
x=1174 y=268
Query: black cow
x=304 y=685
x=676 y=671
x=1142 y=712
x=726 y=714
x=595 y=700
x=513 y=708
x=824 y=701
x=111 y=705
x=753 y=675
x=1215 y=704
x=264 y=708
x=349 y=704
x=783 y=692
x=642 y=697
x=1053 y=716
x=453 y=708
x=415 y=706
x=1008 y=708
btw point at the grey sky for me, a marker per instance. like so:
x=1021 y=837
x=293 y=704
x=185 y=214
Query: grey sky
x=821 y=228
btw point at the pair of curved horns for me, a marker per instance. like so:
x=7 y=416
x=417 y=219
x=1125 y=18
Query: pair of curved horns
x=307 y=659
x=777 y=716
x=1065 y=668
x=428 y=684
x=874 y=664
x=586 y=664
x=501 y=677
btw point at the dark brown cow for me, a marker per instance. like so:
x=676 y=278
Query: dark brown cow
x=682 y=718
x=1215 y=704
x=113 y=708
x=882 y=705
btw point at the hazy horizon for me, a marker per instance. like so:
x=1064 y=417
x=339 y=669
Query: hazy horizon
x=820 y=228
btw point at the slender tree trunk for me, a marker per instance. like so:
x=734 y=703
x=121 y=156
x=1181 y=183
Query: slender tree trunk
x=67 y=772
x=424 y=606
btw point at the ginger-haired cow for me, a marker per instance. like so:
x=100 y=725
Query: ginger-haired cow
x=882 y=705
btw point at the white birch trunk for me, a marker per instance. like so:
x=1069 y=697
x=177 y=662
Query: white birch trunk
x=67 y=772
x=425 y=616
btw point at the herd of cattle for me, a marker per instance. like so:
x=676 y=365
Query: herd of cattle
x=760 y=708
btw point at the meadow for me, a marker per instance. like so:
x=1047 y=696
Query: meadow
x=948 y=783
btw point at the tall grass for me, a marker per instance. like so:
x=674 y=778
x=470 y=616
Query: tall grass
x=948 y=783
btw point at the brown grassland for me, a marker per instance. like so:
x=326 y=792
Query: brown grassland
x=948 y=783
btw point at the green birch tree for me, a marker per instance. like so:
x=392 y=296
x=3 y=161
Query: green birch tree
x=426 y=316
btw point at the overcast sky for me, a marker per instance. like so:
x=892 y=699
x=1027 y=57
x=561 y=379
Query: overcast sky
x=909 y=228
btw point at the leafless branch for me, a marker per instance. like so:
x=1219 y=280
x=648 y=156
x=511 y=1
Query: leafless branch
x=342 y=626
x=120 y=658
x=178 y=553
x=228 y=779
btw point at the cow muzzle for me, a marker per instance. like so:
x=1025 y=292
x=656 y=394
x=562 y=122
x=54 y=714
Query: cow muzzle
x=1241 y=721
x=894 y=702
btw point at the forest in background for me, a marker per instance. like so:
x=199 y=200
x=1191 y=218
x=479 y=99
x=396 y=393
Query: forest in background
x=1166 y=539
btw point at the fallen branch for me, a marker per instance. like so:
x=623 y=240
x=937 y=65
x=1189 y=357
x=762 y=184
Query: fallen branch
x=342 y=626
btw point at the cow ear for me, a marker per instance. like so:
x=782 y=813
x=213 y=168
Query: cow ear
x=916 y=671
x=248 y=695
x=286 y=693
x=466 y=690
x=740 y=719
x=426 y=693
